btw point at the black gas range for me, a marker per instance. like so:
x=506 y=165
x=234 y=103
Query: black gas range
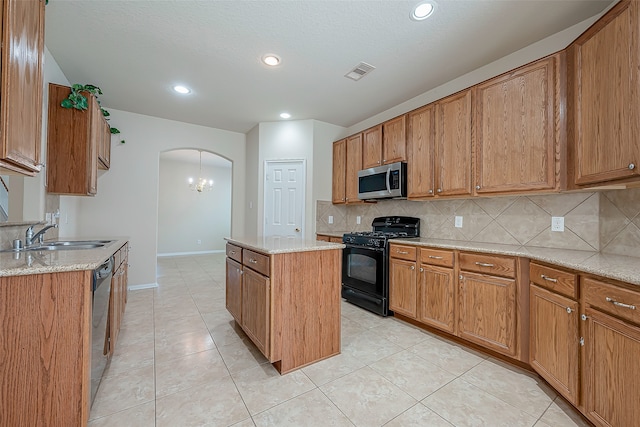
x=365 y=261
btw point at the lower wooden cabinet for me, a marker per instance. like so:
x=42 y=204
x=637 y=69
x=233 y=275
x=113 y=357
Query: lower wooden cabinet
x=233 y=300
x=403 y=294
x=256 y=300
x=118 y=297
x=436 y=303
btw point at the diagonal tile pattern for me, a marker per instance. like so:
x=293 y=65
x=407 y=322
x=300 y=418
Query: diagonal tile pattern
x=181 y=361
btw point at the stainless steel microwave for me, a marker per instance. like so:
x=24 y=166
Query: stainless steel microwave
x=383 y=182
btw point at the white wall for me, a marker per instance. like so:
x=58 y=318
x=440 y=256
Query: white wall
x=253 y=149
x=186 y=216
x=324 y=134
x=127 y=199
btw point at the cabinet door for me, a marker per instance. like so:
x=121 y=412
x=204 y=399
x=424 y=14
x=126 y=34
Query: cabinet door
x=256 y=319
x=453 y=145
x=339 y=171
x=420 y=150
x=394 y=140
x=515 y=130
x=611 y=370
x=354 y=164
x=606 y=112
x=372 y=147
x=436 y=297
x=554 y=340
x=104 y=151
x=487 y=314
x=233 y=298
x=403 y=296
x=21 y=85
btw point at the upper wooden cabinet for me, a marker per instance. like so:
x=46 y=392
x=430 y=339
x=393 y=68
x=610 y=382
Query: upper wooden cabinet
x=420 y=148
x=22 y=58
x=104 y=144
x=339 y=171
x=354 y=164
x=394 y=140
x=74 y=137
x=603 y=101
x=372 y=147
x=515 y=129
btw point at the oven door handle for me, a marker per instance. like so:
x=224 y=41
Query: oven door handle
x=348 y=246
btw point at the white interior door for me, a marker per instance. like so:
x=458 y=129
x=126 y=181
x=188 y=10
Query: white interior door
x=284 y=198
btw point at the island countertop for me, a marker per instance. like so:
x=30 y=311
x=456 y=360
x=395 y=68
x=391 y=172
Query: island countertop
x=41 y=262
x=280 y=244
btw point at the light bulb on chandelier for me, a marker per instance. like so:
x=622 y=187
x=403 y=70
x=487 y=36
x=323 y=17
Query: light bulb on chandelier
x=202 y=184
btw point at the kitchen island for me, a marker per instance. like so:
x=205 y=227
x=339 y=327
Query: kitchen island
x=285 y=294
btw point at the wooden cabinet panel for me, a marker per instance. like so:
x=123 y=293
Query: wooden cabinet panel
x=403 y=252
x=256 y=301
x=556 y=280
x=234 y=252
x=515 y=130
x=611 y=371
x=403 y=287
x=372 y=147
x=233 y=293
x=604 y=97
x=322 y=238
x=421 y=154
x=104 y=146
x=441 y=257
x=339 y=171
x=354 y=164
x=487 y=312
x=612 y=299
x=436 y=303
x=488 y=264
x=21 y=64
x=554 y=341
x=453 y=145
x=394 y=140
x=256 y=261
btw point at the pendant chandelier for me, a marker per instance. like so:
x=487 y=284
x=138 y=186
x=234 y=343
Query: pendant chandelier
x=202 y=184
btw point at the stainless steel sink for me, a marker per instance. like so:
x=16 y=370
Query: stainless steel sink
x=77 y=243
x=63 y=245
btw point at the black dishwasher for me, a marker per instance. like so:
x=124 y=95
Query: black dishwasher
x=101 y=285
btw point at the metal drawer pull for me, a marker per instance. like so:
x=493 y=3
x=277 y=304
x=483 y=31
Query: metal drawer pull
x=421 y=269
x=620 y=304
x=569 y=310
x=435 y=257
x=403 y=252
x=232 y=252
x=413 y=267
x=549 y=279
x=253 y=261
x=484 y=264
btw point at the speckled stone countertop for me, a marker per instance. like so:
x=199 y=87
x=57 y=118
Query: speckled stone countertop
x=618 y=267
x=40 y=262
x=280 y=245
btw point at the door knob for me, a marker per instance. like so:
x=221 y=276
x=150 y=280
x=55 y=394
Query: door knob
x=297 y=230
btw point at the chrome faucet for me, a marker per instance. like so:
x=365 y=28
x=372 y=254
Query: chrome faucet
x=30 y=237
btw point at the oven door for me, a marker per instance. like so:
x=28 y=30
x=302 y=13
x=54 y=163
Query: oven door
x=364 y=278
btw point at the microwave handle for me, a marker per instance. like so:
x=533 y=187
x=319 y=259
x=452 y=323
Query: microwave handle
x=388 y=178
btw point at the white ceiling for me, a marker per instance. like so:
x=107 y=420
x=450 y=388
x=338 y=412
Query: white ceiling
x=136 y=50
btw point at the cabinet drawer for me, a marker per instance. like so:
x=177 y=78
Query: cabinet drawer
x=612 y=299
x=436 y=257
x=256 y=261
x=553 y=279
x=234 y=252
x=402 y=252
x=488 y=264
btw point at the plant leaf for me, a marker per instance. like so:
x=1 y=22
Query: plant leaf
x=114 y=130
x=66 y=103
x=105 y=112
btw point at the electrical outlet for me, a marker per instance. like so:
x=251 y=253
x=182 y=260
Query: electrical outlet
x=330 y=219
x=557 y=223
x=358 y=219
x=458 y=222
x=199 y=241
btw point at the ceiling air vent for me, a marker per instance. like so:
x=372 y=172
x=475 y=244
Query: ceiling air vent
x=361 y=70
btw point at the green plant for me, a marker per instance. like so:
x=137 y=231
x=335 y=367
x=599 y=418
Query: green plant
x=80 y=102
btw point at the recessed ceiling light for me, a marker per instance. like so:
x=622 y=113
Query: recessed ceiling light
x=285 y=115
x=271 y=60
x=182 y=89
x=423 y=10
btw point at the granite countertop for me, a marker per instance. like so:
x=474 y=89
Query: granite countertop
x=617 y=267
x=40 y=262
x=280 y=245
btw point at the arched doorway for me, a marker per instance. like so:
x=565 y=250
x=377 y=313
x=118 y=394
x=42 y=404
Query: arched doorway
x=192 y=221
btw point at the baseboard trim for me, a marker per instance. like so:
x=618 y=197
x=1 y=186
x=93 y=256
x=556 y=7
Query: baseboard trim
x=166 y=254
x=142 y=286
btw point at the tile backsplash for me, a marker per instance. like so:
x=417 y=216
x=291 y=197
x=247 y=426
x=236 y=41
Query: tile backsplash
x=606 y=221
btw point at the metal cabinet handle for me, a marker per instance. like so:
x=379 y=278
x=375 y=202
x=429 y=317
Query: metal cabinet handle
x=584 y=317
x=232 y=252
x=569 y=310
x=253 y=261
x=435 y=257
x=421 y=269
x=439 y=190
x=484 y=264
x=413 y=267
x=620 y=304
x=431 y=191
x=549 y=279
x=403 y=252
x=477 y=187
x=632 y=166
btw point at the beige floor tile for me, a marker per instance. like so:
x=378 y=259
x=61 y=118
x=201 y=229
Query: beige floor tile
x=130 y=355
x=518 y=388
x=332 y=368
x=208 y=304
x=140 y=416
x=369 y=347
x=365 y=318
x=412 y=374
x=169 y=348
x=245 y=423
x=418 y=416
x=448 y=356
x=367 y=398
x=213 y=404
x=465 y=405
x=312 y=409
x=223 y=328
x=123 y=391
x=241 y=355
x=401 y=333
x=263 y=387
x=180 y=326
x=561 y=414
x=349 y=328
x=189 y=371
